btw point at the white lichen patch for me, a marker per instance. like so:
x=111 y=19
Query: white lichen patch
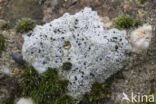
x=25 y=101
x=141 y=38
x=95 y=53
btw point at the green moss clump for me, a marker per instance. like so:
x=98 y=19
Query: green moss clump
x=124 y=22
x=137 y=23
x=67 y=66
x=25 y=25
x=5 y=26
x=143 y=1
x=8 y=102
x=46 y=89
x=29 y=81
x=99 y=94
x=2 y=42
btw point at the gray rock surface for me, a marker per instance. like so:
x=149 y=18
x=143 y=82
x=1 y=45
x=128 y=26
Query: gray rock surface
x=8 y=87
x=17 y=57
x=95 y=53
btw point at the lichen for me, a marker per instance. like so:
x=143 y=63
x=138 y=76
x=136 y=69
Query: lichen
x=80 y=39
x=25 y=101
x=140 y=38
x=2 y=43
x=25 y=25
x=44 y=89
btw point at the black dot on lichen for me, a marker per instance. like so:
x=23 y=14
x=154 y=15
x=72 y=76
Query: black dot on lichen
x=100 y=59
x=116 y=47
x=84 y=63
x=62 y=38
x=75 y=78
x=67 y=66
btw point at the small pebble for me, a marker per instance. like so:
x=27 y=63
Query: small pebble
x=17 y=57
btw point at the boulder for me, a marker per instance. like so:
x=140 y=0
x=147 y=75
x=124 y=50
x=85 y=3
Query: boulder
x=80 y=39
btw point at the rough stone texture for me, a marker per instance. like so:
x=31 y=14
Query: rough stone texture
x=55 y=8
x=80 y=39
x=14 y=10
x=13 y=44
x=2 y=22
x=8 y=87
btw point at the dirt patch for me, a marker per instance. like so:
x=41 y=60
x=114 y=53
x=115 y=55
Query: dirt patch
x=18 y=9
x=56 y=8
x=13 y=44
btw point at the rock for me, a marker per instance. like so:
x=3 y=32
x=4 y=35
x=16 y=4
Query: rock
x=25 y=101
x=7 y=70
x=41 y=1
x=107 y=22
x=17 y=57
x=49 y=8
x=8 y=87
x=2 y=22
x=80 y=39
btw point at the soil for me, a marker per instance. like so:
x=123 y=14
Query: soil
x=14 y=10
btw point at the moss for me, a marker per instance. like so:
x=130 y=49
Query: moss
x=2 y=43
x=6 y=26
x=25 y=25
x=46 y=89
x=30 y=80
x=143 y=1
x=99 y=94
x=137 y=23
x=124 y=22
x=67 y=66
x=9 y=101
